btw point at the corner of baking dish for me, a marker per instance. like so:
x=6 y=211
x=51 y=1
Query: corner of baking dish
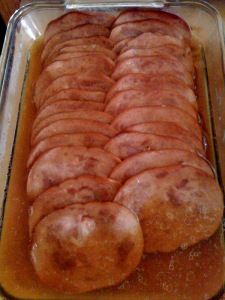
x=13 y=67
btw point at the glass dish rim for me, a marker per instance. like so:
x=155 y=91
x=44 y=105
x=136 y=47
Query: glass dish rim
x=79 y=4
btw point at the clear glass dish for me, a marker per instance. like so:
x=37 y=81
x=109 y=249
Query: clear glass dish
x=203 y=278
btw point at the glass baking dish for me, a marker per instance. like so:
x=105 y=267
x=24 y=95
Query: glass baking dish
x=194 y=273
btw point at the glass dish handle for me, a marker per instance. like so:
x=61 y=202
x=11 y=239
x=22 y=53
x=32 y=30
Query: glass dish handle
x=82 y=4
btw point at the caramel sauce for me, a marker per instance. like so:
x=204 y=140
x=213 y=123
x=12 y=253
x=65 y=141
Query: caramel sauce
x=193 y=273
